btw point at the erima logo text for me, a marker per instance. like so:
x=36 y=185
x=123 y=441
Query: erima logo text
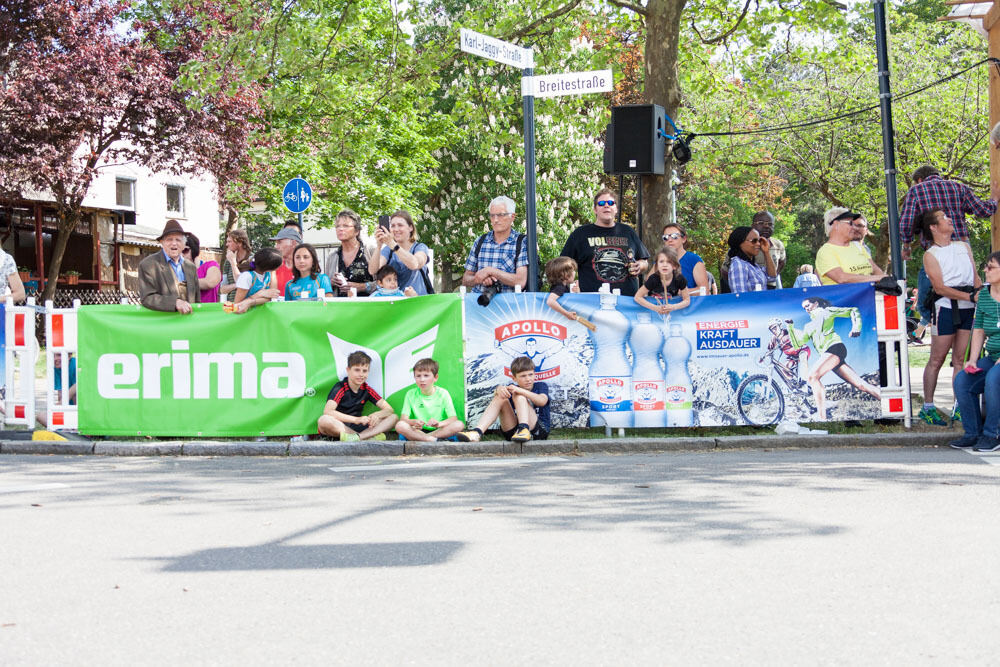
x=283 y=375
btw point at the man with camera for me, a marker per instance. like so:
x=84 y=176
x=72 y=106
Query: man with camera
x=499 y=259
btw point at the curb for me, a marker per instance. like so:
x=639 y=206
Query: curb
x=487 y=448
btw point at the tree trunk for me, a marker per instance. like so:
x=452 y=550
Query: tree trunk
x=67 y=223
x=663 y=23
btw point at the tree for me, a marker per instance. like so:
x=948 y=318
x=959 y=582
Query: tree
x=84 y=88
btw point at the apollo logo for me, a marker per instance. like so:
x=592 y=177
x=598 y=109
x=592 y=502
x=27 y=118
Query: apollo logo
x=396 y=372
x=131 y=376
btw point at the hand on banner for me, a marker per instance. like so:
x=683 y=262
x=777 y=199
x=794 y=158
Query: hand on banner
x=574 y=287
x=243 y=306
x=183 y=307
x=409 y=291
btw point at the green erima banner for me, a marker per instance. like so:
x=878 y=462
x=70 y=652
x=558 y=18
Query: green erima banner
x=266 y=372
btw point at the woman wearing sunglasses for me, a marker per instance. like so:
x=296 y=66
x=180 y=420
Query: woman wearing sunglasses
x=744 y=274
x=692 y=266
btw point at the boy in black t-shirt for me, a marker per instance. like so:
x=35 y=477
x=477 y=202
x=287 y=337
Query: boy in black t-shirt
x=523 y=407
x=342 y=415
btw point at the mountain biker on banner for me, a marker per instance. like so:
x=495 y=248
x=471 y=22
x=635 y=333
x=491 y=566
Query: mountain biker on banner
x=790 y=362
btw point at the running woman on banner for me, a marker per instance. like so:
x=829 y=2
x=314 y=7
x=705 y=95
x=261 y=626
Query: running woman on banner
x=832 y=351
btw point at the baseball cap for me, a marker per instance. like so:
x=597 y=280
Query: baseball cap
x=288 y=233
x=838 y=213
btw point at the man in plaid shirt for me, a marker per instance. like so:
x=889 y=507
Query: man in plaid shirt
x=497 y=258
x=930 y=191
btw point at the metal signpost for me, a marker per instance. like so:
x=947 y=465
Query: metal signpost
x=297 y=196
x=550 y=85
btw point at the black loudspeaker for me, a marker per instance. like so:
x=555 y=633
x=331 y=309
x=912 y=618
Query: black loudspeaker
x=636 y=138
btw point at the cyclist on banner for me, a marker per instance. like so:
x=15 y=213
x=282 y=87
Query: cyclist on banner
x=789 y=364
x=833 y=353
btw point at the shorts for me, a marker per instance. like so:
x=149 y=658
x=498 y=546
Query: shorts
x=537 y=433
x=945 y=325
x=357 y=428
x=838 y=350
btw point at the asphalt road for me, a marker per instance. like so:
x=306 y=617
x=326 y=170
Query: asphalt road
x=872 y=555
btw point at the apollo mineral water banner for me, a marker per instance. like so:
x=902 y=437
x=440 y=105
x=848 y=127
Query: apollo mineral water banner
x=267 y=372
x=756 y=358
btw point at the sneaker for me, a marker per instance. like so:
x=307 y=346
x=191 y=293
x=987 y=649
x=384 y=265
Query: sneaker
x=521 y=435
x=472 y=435
x=349 y=437
x=987 y=444
x=378 y=436
x=965 y=442
x=931 y=416
x=956 y=416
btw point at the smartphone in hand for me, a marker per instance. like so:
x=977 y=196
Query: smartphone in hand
x=383 y=222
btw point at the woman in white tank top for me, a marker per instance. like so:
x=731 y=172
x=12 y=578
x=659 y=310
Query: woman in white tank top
x=948 y=265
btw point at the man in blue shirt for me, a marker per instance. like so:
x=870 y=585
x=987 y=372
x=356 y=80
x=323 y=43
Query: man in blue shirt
x=168 y=282
x=499 y=258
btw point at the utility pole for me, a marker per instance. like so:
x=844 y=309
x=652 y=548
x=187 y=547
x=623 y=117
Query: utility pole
x=984 y=17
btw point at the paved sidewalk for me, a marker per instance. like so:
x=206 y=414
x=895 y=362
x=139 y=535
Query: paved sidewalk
x=937 y=438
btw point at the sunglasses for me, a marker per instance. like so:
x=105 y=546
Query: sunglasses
x=606 y=202
x=754 y=241
x=672 y=236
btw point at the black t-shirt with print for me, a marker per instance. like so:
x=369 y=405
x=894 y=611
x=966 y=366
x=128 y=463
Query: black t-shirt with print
x=603 y=254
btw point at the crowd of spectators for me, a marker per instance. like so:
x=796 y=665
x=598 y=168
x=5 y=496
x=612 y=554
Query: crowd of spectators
x=607 y=254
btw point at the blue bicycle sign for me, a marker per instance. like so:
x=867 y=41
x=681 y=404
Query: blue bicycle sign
x=297 y=195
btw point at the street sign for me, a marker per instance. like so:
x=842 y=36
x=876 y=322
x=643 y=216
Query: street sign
x=568 y=83
x=496 y=49
x=297 y=195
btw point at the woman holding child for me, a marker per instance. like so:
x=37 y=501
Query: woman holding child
x=399 y=248
x=237 y=261
x=692 y=266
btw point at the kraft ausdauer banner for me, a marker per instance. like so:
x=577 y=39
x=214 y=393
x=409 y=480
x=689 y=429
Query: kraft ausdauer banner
x=267 y=372
x=725 y=360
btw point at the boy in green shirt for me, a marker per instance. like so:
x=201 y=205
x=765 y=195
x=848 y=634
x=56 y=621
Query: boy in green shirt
x=432 y=410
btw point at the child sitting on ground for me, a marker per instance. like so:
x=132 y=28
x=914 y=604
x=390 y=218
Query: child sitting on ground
x=388 y=284
x=664 y=283
x=523 y=407
x=254 y=287
x=342 y=415
x=434 y=416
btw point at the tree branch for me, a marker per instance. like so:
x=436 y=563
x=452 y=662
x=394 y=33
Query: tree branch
x=726 y=35
x=528 y=29
x=628 y=5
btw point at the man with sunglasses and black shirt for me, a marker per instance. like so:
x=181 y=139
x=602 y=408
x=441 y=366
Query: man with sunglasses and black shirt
x=606 y=251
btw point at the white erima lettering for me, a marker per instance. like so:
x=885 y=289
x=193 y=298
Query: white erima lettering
x=283 y=374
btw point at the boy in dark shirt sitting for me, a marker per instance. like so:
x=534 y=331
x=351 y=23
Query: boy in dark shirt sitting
x=342 y=414
x=523 y=407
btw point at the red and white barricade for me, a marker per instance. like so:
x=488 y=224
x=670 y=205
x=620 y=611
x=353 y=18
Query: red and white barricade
x=890 y=312
x=22 y=349
x=61 y=339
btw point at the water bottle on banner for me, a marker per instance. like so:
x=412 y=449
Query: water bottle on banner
x=679 y=399
x=647 y=375
x=610 y=385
